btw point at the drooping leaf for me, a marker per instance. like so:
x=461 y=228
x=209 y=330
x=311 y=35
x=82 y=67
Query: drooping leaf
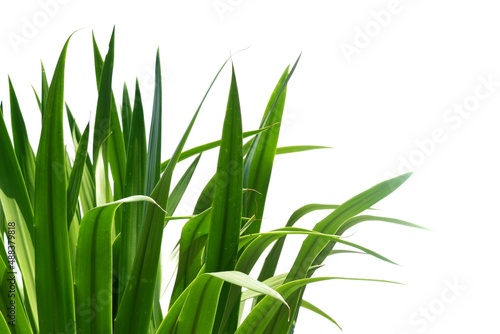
x=317 y=310
x=260 y=317
x=314 y=250
x=272 y=259
x=94 y=272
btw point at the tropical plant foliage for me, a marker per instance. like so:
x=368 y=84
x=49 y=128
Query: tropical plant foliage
x=82 y=237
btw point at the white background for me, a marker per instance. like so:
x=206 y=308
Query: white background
x=372 y=107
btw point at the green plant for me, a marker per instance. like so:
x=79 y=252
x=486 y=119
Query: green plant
x=87 y=244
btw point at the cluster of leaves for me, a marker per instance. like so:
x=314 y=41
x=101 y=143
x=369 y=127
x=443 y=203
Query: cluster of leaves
x=86 y=234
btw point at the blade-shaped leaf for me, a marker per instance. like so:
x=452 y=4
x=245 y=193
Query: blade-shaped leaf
x=75 y=179
x=314 y=250
x=140 y=290
x=260 y=158
x=94 y=272
x=134 y=185
x=154 y=145
x=179 y=190
x=205 y=147
x=17 y=209
x=102 y=126
x=271 y=262
x=126 y=112
x=223 y=237
x=259 y=318
x=317 y=310
x=54 y=277
x=24 y=152
x=193 y=239
x=11 y=303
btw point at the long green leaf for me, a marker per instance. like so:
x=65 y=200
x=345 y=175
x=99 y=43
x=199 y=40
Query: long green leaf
x=206 y=197
x=87 y=186
x=154 y=144
x=198 y=313
x=223 y=237
x=272 y=259
x=260 y=158
x=11 y=303
x=134 y=185
x=222 y=244
x=126 y=112
x=192 y=243
x=116 y=154
x=208 y=146
x=298 y=148
x=54 y=277
x=98 y=61
x=153 y=165
x=17 y=209
x=94 y=272
x=24 y=152
x=75 y=180
x=140 y=290
x=261 y=315
x=180 y=189
x=314 y=250
x=317 y=310
x=102 y=126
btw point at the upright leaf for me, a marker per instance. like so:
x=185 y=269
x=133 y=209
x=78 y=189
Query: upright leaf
x=126 y=112
x=94 y=257
x=154 y=146
x=260 y=158
x=24 y=152
x=134 y=185
x=54 y=277
x=17 y=209
x=224 y=233
x=192 y=243
x=98 y=62
x=102 y=126
x=75 y=179
x=140 y=290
